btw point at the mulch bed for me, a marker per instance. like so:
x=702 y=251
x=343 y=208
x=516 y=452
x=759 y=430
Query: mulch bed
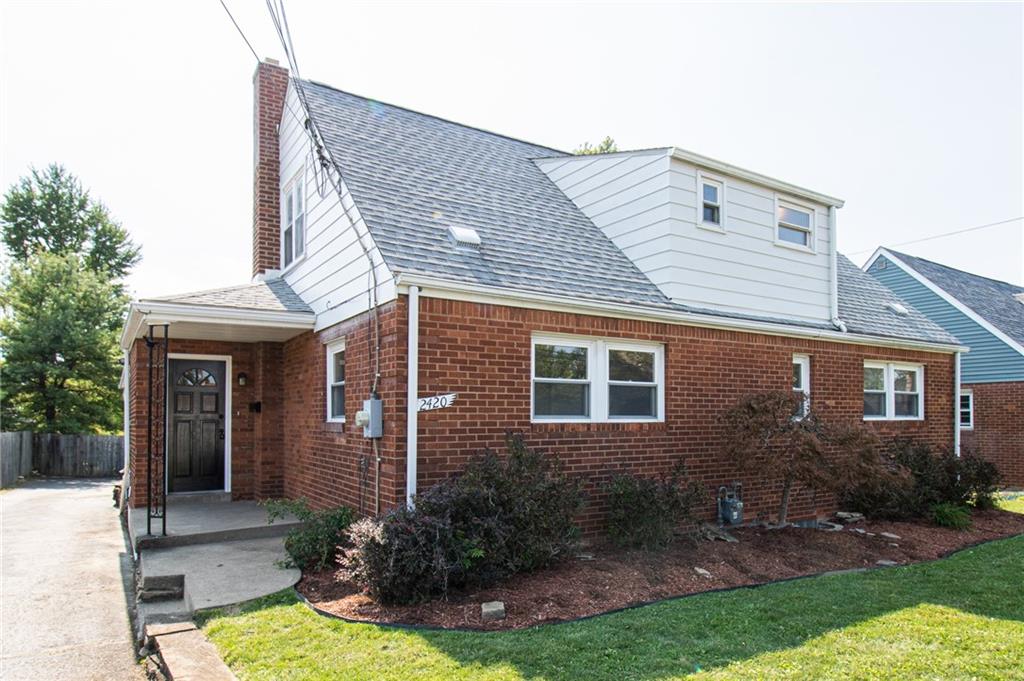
x=615 y=578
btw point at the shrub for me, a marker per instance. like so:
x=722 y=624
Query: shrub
x=404 y=557
x=645 y=512
x=951 y=515
x=314 y=544
x=498 y=517
x=769 y=434
x=907 y=479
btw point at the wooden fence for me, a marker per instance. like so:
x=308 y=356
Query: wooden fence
x=78 y=456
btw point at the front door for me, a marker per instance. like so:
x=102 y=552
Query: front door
x=196 y=460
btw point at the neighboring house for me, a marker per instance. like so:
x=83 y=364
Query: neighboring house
x=610 y=307
x=987 y=315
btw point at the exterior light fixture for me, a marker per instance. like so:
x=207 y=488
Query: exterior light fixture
x=243 y=378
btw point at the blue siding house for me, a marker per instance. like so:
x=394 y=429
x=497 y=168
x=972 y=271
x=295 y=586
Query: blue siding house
x=988 y=316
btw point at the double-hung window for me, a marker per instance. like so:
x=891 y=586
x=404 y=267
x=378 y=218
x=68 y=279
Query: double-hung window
x=802 y=382
x=293 y=221
x=336 y=381
x=794 y=225
x=712 y=202
x=893 y=391
x=967 y=410
x=589 y=379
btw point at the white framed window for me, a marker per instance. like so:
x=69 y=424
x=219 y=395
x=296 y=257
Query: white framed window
x=293 y=220
x=711 y=202
x=966 y=410
x=802 y=381
x=794 y=224
x=596 y=380
x=893 y=392
x=336 y=381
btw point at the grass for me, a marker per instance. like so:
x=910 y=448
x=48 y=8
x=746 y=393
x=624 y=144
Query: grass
x=959 y=618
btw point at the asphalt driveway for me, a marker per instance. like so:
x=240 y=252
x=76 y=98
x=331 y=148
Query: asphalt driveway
x=64 y=578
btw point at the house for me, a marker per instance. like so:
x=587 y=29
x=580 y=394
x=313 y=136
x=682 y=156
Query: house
x=987 y=315
x=610 y=307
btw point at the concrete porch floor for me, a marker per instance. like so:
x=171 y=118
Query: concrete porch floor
x=203 y=519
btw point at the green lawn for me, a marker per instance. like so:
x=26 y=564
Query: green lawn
x=960 y=618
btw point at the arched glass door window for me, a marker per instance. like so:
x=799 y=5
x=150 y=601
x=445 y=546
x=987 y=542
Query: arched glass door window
x=200 y=378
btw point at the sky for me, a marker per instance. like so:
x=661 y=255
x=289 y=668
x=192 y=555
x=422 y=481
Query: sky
x=912 y=113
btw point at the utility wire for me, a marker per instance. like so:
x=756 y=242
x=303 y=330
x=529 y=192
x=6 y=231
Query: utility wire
x=240 y=32
x=940 y=236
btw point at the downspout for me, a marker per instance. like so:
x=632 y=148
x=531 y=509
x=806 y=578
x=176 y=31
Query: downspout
x=956 y=403
x=833 y=241
x=411 y=397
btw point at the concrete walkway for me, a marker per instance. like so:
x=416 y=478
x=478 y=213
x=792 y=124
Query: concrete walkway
x=65 y=580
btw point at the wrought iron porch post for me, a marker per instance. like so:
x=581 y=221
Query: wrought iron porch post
x=156 y=497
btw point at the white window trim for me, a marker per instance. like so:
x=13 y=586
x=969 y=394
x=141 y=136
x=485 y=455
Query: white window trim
x=804 y=361
x=785 y=201
x=331 y=348
x=890 y=391
x=959 y=409
x=285 y=192
x=597 y=377
x=702 y=178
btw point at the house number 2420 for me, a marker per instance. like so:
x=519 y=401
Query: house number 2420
x=436 y=402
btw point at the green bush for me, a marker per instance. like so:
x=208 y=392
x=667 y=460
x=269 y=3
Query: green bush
x=951 y=515
x=646 y=512
x=314 y=544
x=498 y=517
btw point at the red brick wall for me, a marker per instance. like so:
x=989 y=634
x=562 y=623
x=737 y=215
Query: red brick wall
x=332 y=463
x=482 y=352
x=998 y=433
x=270 y=83
x=256 y=460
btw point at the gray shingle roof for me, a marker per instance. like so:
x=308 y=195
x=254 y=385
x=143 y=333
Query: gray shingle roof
x=271 y=296
x=862 y=306
x=413 y=175
x=990 y=299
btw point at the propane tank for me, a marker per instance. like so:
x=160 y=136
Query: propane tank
x=730 y=504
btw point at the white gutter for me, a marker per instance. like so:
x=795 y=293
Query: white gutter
x=833 y=241
x=956 y=403
x=441 y=288
x=412 y=394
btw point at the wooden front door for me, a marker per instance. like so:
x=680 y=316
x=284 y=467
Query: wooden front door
x=196 y=461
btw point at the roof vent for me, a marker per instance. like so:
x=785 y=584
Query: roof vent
x=1019 y=297
x=898 y=308
x=463 y=236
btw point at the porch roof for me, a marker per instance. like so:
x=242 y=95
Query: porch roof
x=263 y=311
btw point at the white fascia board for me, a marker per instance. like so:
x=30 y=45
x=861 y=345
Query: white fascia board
x=709 y=163
x=152 y=312
x=945 y=295
x=432 y=287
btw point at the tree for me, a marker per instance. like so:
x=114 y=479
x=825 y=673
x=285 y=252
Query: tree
x=607 y=146
x=770 y=434
x=58 y=339
x=50 y=211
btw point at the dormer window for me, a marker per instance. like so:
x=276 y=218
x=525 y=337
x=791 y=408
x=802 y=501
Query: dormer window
x=795 y=225
x=293 y=221
x=711 y=202
x=712 y=195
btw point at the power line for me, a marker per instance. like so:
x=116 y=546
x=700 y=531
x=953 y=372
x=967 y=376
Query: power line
x=240 y=32
x=939 y=236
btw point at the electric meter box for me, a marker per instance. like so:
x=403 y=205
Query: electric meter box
x=374 y=427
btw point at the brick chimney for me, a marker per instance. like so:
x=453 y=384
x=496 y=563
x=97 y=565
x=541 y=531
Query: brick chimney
x=270 y=83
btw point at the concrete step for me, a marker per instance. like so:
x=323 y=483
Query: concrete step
x=154 y=588
x=278 y=529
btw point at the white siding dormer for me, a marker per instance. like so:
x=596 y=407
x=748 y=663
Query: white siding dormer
x=652 y=205
x=331 y=273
